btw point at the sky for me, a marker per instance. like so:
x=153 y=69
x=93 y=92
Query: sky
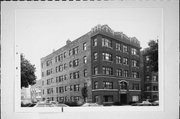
x=40 y=31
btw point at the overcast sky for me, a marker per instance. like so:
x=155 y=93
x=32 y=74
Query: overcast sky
x=39 y=31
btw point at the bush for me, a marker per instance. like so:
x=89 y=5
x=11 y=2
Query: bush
x=116 y=103
x=132 y=102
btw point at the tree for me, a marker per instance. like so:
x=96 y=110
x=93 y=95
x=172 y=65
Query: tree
x=84 y=93
x=27 y=72
x=153 y=55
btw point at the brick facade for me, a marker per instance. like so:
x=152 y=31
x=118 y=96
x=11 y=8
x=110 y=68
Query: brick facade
x=104 y=61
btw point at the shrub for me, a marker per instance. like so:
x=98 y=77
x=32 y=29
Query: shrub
x=116 y=103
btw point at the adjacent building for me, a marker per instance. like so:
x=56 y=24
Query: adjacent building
x=150 y=79
x=25 y=95
x=35 y=91
x=104 y=61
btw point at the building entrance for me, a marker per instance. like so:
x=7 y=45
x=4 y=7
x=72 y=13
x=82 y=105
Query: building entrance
x=123 y=98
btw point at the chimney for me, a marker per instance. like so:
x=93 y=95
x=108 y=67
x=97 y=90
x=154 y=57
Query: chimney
x=68 y=42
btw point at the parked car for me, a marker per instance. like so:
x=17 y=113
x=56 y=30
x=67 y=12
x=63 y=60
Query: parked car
x=61 y=105
x=44 y=104
x=53 y=102
x=143 y=103
x=155 y=103
x=89 y=104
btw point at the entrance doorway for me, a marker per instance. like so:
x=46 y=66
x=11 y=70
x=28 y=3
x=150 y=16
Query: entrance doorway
x=123 y=98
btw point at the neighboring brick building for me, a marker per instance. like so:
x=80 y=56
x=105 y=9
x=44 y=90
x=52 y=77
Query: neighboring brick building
x=150 y=79
x=104 y=61
x=36 y=91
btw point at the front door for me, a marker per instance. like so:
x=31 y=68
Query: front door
x=123 y=98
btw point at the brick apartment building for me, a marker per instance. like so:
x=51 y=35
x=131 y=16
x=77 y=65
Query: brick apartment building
x=104 y=61
x=150 y=79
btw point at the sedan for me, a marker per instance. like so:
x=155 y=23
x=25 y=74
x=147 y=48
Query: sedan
x=44 y=105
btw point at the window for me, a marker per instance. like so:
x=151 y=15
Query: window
x=84 y=59
x=154 y=78
x=96 y=85
x=147 y=78
x=135 y=86
x=56 y=89
x=64 y=54
x=135 y=74
x=125 y=73
x=147 y=68
x=155 y=97
x=107 y=56
x=42 y=74
x=60 y=68
x=71 y=87
x=56 y=59
x=95 y=56
x=107 y=85
x=133 y=51
x=65 y=77
x=123 y=85
x=125 y=61
x=118 y=46
x=85 y=72
x=75 y=62
x=75 y=50
x=50 y=91
x=95 y=42
x=106 y=42
x=76 y=75
x=56 y=69
x=65 y=66
x=57 y=79
x=71 y=75
x=70 y=52
x=155 y=88
x=65 y=88
x=148 y=88
x=108 y=98
x=61 y=89
x=61 y=99
x=107 y=71
x=76 y=87
x=70 y=64
x=135 y=98
x=96 y=99
x=76 y=98
x=49 y=71
x=125 y=49
x=61 y=78
x=118 y=72
x=49 y=62
x=147 y=58
x=60 y=57
x=118 y=60
x=95 y=70
x=134 y=63
x=84 y=46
